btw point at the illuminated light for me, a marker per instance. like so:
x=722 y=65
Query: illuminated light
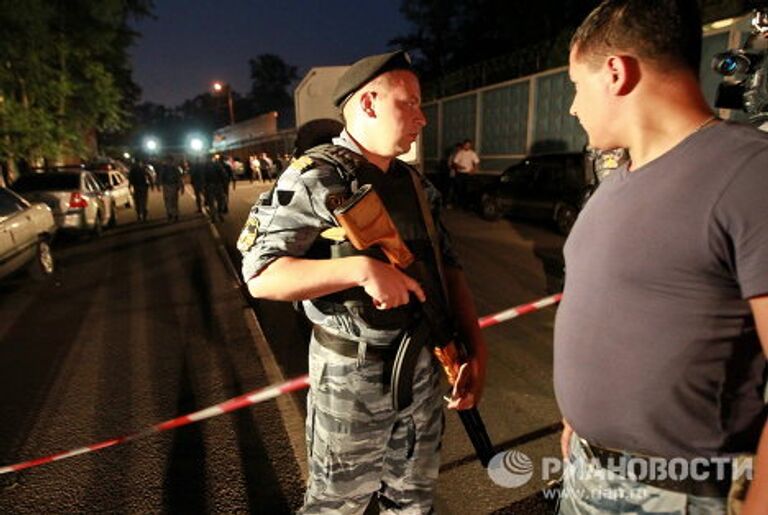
x=721 y=24
x=218 y=86
x=126 y=155
x=196 y=144
x=151 y=144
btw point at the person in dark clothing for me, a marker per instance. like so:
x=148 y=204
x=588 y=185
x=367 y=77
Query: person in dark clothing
x=248 y=170
x=216 y=185
x=171 y=180
x=229 y=178
x=140 y=182
x=197 y=178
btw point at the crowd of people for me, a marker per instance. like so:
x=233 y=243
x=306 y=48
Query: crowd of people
x=211 y=178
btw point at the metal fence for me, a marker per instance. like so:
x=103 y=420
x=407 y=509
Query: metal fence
x=529 y=115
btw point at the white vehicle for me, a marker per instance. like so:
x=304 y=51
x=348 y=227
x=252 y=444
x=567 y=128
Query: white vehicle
x=26 y=231
x=78 y=201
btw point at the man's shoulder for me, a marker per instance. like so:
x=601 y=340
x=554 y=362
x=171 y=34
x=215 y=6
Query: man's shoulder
x=310 y=170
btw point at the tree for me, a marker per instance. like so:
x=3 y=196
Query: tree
x=65 y=72
x=452 y=34
x=271 y=78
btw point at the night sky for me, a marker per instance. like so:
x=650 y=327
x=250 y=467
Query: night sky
x=191 y=44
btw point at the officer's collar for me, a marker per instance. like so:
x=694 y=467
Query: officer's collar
x=346 y=141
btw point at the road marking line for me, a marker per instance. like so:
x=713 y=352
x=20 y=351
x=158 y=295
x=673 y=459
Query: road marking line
x=293 y=420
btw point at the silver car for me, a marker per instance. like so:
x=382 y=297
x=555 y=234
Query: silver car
x=26 y=231
x=78 y=201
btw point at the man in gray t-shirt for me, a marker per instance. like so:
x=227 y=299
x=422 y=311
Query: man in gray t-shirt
x=658 y=339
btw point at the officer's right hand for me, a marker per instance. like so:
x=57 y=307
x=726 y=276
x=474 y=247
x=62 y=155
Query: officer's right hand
x=388 y=286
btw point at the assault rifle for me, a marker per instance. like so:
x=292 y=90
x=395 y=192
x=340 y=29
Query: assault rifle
x=367 y=223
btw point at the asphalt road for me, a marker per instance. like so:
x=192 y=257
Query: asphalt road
x=148 y=323
x=138 y=327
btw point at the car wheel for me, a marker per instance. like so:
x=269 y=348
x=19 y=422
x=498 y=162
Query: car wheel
x=565 y=218
x=490 y=208
x=98 y=227
x=43 y=264
x=113 y=217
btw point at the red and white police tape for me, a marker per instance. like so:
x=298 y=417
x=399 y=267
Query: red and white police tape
x=247 y=399
x=509 y=314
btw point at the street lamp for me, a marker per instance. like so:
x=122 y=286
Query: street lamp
x=151 y=145
x=219 y=87
x=196 y=144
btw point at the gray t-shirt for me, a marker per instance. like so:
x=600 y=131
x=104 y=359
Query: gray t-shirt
x=655 y=345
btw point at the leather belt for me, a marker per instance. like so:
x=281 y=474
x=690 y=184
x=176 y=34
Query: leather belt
x=351 y=348
x=712 y=486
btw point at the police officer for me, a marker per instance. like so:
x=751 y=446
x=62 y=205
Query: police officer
x=358 y=445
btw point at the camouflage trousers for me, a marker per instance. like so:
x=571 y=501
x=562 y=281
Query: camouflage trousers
x=590 y=490
x=358 y=446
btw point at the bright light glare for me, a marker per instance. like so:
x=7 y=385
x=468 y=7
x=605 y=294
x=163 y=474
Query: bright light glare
x=151 y=145
x=196 y=144
x=126 y=155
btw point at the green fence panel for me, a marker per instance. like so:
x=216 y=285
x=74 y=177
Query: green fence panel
x=505 y=119
x=458 y=120
x=555 y=130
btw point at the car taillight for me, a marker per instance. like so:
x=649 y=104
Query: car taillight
x=76 y=200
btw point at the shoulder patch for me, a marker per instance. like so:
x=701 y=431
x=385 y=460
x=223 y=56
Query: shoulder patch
x=302 y=164
x=284 y=197
x=249 y=234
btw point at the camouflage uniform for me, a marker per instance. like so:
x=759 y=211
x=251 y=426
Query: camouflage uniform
x=590 y=490
x=357 y=444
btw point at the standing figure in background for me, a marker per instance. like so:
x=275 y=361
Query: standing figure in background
x=228 y=178
x=465 y=162
x=266 y=166
x=248 y=170
x=172 y=182
x=216 y=184
x=197 y=178
x=140 y=181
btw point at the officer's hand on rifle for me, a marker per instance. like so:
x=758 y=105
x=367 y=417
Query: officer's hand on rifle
x=468 y=388
x=388 y=286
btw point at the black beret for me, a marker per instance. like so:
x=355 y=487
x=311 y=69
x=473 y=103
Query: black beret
x=365 y=70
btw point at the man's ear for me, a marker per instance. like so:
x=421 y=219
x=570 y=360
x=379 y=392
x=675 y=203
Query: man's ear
x=622 y=74
x=368 y=103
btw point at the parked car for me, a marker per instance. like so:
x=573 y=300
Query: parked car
x=550 y=186
x=26 y=231
x=116 y=186
x=78 y=201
